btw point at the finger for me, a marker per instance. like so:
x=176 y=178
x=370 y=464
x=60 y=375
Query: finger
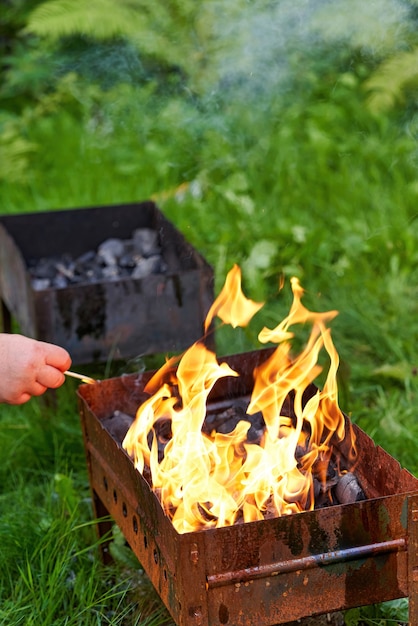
x=57 y=357
x=50 y=377
x=21 y=399
x=37 y=389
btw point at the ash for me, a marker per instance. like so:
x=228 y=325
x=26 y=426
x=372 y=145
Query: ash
x=114 y=259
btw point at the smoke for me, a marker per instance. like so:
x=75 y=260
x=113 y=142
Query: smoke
x=268 y=41
x=245 y=46
x=242 y=52
x=105 y=63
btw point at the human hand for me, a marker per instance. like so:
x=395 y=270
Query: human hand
x=29 y=367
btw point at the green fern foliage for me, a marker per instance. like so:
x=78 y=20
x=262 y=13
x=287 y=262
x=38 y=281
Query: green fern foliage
x=376 y=29
x=100 y=19
x=389 y=83
x=176 y=35
x=15 y=154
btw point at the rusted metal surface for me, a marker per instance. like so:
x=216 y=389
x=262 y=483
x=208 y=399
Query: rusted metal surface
x=125 y=317
x=413 y=559
x=265 y=572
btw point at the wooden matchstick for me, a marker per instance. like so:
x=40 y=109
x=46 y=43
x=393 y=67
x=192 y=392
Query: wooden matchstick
x=85 y=379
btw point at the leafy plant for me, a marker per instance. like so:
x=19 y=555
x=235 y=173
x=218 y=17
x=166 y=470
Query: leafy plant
x=150 y=27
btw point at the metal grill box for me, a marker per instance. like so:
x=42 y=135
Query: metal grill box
x=265 y=572
x=125 y=317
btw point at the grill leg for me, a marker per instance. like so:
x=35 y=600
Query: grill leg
x=413 y=559
x=104 y=528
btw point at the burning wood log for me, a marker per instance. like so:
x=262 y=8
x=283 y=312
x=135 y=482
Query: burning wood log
x=226 y=421
x=331 y=484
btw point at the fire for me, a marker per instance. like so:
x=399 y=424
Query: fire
x=213 y=480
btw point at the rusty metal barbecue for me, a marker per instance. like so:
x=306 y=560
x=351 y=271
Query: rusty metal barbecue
x=119 y=317
x=265 y=572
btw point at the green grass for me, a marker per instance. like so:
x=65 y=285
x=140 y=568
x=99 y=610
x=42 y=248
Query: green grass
x=304 y=182
x=51 y=571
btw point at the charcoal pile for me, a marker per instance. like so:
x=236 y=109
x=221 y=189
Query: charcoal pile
x=114 y=259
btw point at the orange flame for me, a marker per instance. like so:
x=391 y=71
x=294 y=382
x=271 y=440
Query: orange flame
x=231 y=305
x=214 y=480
